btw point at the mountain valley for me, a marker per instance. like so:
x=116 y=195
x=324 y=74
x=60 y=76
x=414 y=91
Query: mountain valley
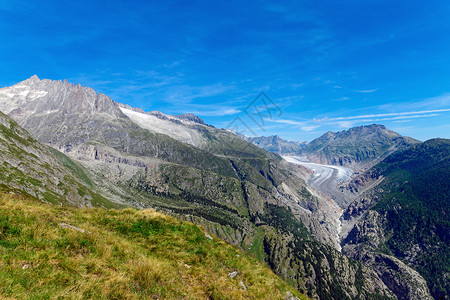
x=329 y=217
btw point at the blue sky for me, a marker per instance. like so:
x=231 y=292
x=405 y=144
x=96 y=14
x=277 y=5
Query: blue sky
x=326 y=65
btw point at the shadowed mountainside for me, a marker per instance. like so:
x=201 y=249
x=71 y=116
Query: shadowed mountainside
x=404 y=220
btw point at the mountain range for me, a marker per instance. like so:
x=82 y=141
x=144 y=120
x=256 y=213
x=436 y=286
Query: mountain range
x=357 y=148
x=84 y=149
x=276 y=144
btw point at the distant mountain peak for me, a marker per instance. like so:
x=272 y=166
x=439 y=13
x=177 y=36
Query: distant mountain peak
x=358 y=146
x=275 y=143
x=33 y=79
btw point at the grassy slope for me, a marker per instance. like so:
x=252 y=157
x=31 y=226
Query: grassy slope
x=122 y=254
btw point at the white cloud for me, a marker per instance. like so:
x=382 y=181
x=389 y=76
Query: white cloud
x=345 y=124
x=384 y=115
x=217 y=112
x=345 y=98
x=400 y=118
x=309 y=128
x=289 y=122
x=367 y=91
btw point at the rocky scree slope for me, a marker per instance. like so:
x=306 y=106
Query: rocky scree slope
x=242 y=193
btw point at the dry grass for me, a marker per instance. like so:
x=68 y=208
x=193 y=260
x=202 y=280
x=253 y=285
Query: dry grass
x=126 y=254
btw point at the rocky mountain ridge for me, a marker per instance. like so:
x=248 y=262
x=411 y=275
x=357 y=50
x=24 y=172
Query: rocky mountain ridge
x=358 y=147
x=275 y=144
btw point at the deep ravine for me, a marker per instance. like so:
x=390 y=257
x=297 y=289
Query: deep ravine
x=326 y=179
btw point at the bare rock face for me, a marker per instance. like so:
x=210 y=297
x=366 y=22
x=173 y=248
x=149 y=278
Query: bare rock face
x=401 y=279
x=59 y=113
x=361 y=244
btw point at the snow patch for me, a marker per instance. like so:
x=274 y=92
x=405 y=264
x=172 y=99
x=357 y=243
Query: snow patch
x=36 y=94
x=179 y=132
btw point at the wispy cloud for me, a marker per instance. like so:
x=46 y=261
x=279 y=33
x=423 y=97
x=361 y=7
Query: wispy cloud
x=400 y=118
x=441 y=101
x=345 y=98
x=383 y=115
x=345 y=124
x=218 y=112
x=309 y=128
x=367 y=91
x=289 y=122
x=303 y=125
x=206 y=110
x=352 y=122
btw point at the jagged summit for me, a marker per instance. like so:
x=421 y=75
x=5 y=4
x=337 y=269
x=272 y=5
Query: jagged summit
x=34 y=79
x=29 y=81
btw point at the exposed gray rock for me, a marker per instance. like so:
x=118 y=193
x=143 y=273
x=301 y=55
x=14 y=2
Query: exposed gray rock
x=65 y=225
x=233 y=274
x=191 y=117
x=361 y=244
x=242 y=285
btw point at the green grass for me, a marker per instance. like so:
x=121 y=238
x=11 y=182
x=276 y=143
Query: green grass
x=257 y=247
x=122 y=254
